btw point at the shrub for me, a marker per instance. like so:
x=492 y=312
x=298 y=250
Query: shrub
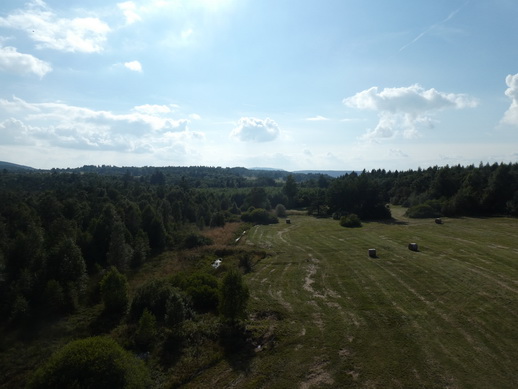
x=259 y=216
x=245 y=262
x=280 y=210
x=425 y=210
x=202 y=288
x=195 y=240
x=153 y=296
x=351 y=221
x=97 y=362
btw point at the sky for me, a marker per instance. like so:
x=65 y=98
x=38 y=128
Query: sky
x=294 y=85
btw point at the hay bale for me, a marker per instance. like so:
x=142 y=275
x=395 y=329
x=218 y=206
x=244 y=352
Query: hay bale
x=413 y=247
x=372 y=253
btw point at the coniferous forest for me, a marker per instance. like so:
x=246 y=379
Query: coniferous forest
x=74 y=240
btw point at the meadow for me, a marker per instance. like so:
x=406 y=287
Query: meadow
x=325 y=314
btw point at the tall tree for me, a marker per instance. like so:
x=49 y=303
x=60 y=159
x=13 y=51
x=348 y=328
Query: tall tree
x=290 y=189
x=234 y=296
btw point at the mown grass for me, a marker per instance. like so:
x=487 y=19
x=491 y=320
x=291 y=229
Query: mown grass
x=324 y=314
x=444 y=316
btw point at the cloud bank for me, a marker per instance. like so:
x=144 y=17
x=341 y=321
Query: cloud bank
x=146 y=128
x=405 y=110
x=49 y=31
x=255 y=130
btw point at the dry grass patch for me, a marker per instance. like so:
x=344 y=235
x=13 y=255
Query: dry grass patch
x=224 y=235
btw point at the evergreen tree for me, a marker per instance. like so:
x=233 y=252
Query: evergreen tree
x=234 y=296
x=114 y=291
x=119 y=253
x=290 y=189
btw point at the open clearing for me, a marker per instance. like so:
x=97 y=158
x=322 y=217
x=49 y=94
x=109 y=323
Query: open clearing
x=442 y=317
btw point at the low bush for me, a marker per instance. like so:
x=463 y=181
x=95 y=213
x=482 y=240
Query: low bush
x=280 y=210
x=202 y=289
x=350 y=221
x=259 y=216
x=97 y=362
x=152 y=296
x=426 y=210
x=195 y=240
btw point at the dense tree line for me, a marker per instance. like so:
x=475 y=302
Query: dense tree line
x=453 y=191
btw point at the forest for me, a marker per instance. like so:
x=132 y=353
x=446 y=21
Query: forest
x=72 y=238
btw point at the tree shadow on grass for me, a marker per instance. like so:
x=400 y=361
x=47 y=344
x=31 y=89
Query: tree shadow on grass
x=238 y=349
x=394 y=222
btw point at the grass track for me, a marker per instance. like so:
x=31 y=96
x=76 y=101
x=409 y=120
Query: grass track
x=441 y=317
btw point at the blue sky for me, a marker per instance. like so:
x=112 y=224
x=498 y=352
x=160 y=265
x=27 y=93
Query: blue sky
x=293 y=85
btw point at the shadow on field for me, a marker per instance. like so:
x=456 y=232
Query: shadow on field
x=238 y=350
x=393 y=222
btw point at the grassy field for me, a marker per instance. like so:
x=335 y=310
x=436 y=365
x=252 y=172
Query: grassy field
x=326 y=315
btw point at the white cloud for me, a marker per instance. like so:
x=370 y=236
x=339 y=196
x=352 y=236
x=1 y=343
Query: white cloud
x=13 y=132
x=317 y=118
x=79 y=34
x=11 y=61
x=403 y=111
x=62 y=125
x=152 y=109
x=511 y=115
x=133 y=66
x=398 y=153
x=130 y=11
x=255 y=130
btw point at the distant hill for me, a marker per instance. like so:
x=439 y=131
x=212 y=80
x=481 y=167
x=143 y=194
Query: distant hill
x=188 y=171
x=267 y=169
x=331 y=173
x=14 y=166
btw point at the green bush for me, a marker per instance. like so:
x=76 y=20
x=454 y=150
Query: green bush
x=153 y=296
x=280 y=210
x=350 y=221
x=259 y=216
x=202 y=288
x=426 y=210
x=195 y=240
x=97 y=362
